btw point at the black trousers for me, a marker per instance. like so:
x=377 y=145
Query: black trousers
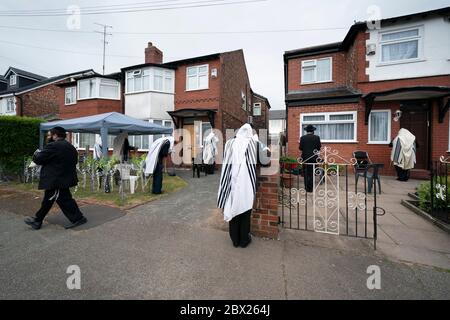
x=240 y=229
x=157 y=179
x=309 y=177
x=403 y=175
x=64 y=200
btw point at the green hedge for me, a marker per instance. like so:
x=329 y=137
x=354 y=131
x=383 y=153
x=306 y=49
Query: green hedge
x=19 y=138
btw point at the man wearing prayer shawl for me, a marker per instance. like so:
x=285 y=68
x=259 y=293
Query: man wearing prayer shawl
x=154 y=162
x=237 y=188
x=210 y=151
x=404 y=154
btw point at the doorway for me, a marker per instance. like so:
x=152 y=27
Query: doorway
x=416 y=119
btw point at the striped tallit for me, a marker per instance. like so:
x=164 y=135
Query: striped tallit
x=404 y=150
x=237 y=187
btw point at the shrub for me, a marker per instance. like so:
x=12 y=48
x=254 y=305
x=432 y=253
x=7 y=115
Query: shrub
x=424 y=193
x=19 y=138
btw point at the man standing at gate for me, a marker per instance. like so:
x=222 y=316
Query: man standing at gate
x=58 y=173
x=310 y=146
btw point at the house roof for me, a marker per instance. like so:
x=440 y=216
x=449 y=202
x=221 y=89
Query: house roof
x=277 y=114
x=2 y=79
x=353 y=31
x=322 y=96
x=24 y=73
x=263 y=98
x=43 y=82
x=143 y=65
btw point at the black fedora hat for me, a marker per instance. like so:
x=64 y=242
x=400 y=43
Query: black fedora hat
x=310 y=128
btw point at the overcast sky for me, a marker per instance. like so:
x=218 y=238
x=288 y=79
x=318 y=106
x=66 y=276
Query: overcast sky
x=73 y=51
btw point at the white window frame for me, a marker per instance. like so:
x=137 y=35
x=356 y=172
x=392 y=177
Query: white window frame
x=73 y=94
x=388 y=141
x=382 y=43
x=164 y=121
x=303 y=82
x=150 y=72
x=198 y=77
x=13 y=103
x=96 y=94
x=13 y=80
x=257 y=105
x=328 y=121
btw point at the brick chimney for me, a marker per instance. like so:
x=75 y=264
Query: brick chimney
x=153 y=54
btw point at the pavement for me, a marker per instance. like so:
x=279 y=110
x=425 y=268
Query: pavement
x=177 y=247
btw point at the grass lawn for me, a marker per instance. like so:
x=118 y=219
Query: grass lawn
x=170 y=184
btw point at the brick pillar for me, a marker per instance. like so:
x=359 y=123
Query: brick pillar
x=265 y=214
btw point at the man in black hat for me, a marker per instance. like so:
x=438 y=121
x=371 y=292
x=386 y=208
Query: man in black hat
x=58 y=173
x=309 y=146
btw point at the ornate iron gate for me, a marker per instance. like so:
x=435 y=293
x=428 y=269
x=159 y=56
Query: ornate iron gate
x=343 y=199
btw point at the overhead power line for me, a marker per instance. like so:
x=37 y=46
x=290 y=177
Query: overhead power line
x=144 y=8
x=178 y=33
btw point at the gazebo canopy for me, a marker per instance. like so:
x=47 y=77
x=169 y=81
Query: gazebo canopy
x=104 y=124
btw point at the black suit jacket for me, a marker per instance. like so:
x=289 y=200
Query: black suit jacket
x=58 y=160
x=308 y=144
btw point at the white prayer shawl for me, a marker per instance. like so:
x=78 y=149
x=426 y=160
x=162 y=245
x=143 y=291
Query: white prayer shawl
x=152 y=157
x=210 y=148
x=238 y=179
x=404 y=151
x=118 y=145
x=98 y=148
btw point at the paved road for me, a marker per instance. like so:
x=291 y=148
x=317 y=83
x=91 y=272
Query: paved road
x=176 y=248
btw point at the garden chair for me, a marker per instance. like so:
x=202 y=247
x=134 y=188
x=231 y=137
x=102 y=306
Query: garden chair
x=362 y=168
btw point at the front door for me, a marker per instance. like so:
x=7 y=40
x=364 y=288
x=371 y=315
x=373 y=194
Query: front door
x=188 y=143
x=416 y=119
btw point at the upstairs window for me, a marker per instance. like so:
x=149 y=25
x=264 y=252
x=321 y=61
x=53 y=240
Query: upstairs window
x=197 y=78
x=400 y=45
x=98 y=88
x=13 y=80
x=257 y=109
x=150 y=79
x=317 y=71
x=71 y=96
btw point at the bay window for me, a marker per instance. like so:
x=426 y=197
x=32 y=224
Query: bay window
x=332 y=126
x=316 y=71
x=401 y=45
x=380 y=127
x=150 y=79
x=197 y=77
x=98 y=88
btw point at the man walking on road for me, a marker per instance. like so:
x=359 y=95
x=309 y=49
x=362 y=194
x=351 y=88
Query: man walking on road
x=58 y=173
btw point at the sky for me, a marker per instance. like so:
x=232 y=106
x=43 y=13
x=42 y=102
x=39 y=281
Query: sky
x=264 y=29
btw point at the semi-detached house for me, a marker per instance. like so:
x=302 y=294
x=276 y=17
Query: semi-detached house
x=359 y=92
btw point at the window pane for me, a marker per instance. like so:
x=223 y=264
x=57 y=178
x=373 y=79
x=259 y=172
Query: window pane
x=379 y=125
x=344 y=131
x=203 y=70
x=400 y=51
x=308 y=74
x=146 y=82
x=87 y=139
x=109 y=89
x=324 y=70
x=313 y=118
x=168 y=87
x=138 y=84
x=311 y=63
x=87 y=88
x=145 y=142
x=341 y=117
x=256 y=110
x=192 y=71
x=130 y=85
x=192 y=83
x=158 y=82
x=157 y=136
x=400 y=35
x=203 y=82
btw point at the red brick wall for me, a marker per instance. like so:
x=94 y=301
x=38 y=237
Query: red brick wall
x=367 y=87
x=88 y=107
x=40 y=102
x=264 y=221
x=339 y=78
x=261 y=122
x=234 y=80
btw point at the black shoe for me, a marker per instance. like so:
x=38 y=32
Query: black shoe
x=76 y=224
x=245 y=245
x=36 y=225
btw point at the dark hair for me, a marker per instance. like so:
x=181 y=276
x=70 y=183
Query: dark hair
x=59 y=131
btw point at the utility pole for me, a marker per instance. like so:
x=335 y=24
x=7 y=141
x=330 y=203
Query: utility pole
x=105 y=34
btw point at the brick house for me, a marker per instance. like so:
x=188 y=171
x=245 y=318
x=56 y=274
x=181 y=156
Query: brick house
x=361 y=91
x=39 y=98
x=195 y=94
